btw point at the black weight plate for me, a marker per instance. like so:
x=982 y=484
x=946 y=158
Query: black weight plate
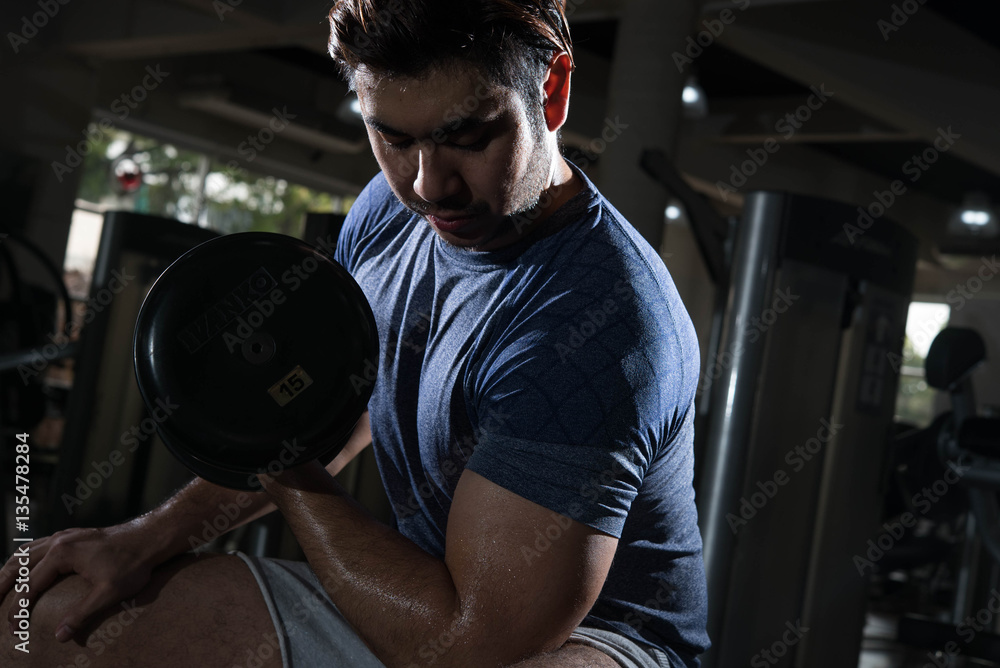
x=265 y=344
x=226 y=477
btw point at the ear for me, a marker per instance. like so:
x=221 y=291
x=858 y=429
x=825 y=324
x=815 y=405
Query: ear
x=556 y=91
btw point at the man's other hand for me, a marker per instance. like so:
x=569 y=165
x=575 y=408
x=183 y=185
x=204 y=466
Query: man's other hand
x=116 y=562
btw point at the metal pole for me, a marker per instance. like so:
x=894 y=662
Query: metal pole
x=733 y=392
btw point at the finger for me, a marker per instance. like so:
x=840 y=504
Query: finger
x=99 y=598
x=22 y=558
x=7 y=572
x=45 y=572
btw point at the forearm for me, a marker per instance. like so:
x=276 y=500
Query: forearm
x=196 y=514
x=202 y=510
x=398 y=597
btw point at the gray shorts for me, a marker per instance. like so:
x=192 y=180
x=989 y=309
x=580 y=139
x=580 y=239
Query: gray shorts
x=310 y=631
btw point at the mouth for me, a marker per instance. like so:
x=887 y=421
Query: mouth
x=451 y=224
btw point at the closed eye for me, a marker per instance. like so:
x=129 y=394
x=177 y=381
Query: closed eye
x=398 y=145
x=474 y=146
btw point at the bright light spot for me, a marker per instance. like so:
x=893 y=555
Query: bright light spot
x=976 y=218
x=169 y=151
x=673 y=212
x=923 y=322
x=115 y=148
x=84 y=237
x=216 y=184
x=239 y=192
x=690 y=95
x=185 y=206
x=356 y=106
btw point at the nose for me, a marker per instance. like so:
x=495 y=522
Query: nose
x=437 y=179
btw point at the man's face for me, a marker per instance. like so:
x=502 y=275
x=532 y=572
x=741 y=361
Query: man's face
x=460 y=152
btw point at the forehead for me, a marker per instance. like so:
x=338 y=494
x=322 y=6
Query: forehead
x=433 y=100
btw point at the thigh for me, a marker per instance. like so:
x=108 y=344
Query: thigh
x=570 y=655
x=590 y=647
x=196 y=611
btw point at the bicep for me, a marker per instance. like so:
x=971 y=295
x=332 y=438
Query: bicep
x=526 y=576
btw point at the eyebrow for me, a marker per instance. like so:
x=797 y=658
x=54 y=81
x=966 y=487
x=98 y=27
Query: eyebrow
x=456 y=126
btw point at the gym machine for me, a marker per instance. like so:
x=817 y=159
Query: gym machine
x=802 y=394
x=942 y=577
x=109 y=446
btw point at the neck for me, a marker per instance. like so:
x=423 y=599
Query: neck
x=563 y=185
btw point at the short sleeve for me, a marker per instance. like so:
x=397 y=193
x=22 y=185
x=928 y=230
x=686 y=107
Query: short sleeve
x=579 y=399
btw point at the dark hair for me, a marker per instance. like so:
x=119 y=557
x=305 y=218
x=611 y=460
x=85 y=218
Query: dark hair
x=511 y=41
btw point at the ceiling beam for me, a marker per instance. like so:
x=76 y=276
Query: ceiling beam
x=927 y=75
x=791 y=119
x=147 y=29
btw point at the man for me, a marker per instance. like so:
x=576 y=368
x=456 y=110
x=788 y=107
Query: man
x=532 y=418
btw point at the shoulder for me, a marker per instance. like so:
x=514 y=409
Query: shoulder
x=376 y=215
x=594 y=319
x=600 y=271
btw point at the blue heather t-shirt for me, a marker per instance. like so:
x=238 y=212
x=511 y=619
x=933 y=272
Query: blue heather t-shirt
x=562 y=368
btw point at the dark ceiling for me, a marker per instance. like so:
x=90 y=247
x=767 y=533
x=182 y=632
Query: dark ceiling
x=725 y=74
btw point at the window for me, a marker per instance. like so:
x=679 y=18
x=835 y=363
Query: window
x=126 y=171
x=915 y=399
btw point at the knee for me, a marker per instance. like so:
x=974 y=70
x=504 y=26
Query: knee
x=35 y=626
x=14 y=648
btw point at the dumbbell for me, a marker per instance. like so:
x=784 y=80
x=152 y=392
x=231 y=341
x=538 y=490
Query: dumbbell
x=267 y=347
